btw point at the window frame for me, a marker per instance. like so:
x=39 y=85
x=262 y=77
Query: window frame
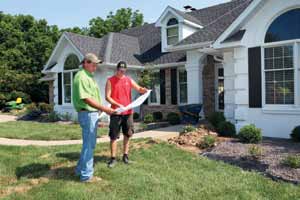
x=296 y=67
x=170 y=27
x=70 y=72
x=178 y=87
x=158 y=98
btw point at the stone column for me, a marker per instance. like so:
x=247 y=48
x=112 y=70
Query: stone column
x=209 y=86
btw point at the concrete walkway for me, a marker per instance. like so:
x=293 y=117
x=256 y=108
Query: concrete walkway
x=162 y=133
x=7 y=118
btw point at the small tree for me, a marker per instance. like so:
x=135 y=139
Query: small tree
x=146 y=78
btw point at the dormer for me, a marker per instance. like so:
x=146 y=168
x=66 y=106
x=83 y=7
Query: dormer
x=175 y=26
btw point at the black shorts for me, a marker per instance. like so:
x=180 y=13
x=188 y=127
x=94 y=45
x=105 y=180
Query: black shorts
x=118 y=121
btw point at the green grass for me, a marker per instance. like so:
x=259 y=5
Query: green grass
x=160 y=171
x=42 y=131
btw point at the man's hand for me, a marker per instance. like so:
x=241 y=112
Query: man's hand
x=109 y=111
x=143 y=90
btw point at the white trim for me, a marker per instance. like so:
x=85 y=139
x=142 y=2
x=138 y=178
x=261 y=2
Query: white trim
x=168 y=65
x=286 y=42
x=63 y=36
x=192 y=24
x=190 y=46
x=168 y=9
x=217 y=44
x=180 y=18
x=281 y=108
x=216 y=91
x=158 y=100
x=178 y=87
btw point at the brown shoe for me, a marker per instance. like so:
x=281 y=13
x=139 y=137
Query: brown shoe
x=94 y=179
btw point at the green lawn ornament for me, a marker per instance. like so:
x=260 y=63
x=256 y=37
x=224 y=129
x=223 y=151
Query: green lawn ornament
x=14 y=105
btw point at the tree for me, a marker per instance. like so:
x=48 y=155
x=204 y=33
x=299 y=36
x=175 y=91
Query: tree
x=124 y=18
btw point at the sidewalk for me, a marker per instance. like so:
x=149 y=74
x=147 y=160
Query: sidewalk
x=7 y=118
x=162 y=133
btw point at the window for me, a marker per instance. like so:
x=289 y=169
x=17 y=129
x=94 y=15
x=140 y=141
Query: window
x=285 y=27
x=71 y=66
x=172 y=31
x=281 y=58
x=182 y=80
x=155 y=87
x=220 y=87
x=279 y=75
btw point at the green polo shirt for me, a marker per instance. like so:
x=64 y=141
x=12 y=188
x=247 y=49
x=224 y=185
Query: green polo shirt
x=84 y=86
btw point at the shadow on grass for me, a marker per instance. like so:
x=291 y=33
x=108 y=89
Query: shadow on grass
x=59 y=172
x=74 y=156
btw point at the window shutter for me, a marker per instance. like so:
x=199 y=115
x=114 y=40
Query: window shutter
x=255 y=79
x=162 y=86
x=59 y=85
x=174 y=86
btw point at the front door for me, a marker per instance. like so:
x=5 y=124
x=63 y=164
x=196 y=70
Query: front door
x=219 y=87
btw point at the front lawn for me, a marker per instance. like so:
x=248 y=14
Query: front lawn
x=160 y=171
x=42 y=131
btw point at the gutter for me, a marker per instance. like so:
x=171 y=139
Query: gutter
x=189 y=46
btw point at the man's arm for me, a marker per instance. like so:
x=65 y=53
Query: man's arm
x=138 y=88
x=108 y=95
x=91 y=102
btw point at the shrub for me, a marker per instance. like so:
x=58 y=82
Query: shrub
x=295 y=135
x=188 y=129
x=136 y=116
x=66 y=116
x=216 y=118
x=292 y=161
x=45 y=107
x=207 y=142
x=226 y=129
x=53 y=117
x=32 y=108
x=173 y=118
x=148 y=118
x=255 y=151
x=158 y=116
x=250 y=134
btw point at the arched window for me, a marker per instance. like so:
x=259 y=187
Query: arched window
x=172 y=31
x=285 y=27
x=281 y=76
x=71 y=66
x=72 y=62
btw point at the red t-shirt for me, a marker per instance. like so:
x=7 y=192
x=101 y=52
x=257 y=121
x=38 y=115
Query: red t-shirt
x=121 y=92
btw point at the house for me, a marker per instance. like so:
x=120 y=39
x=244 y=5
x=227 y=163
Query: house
x=240 y=57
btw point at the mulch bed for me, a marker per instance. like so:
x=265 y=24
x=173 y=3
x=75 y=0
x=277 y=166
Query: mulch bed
x=270 y=163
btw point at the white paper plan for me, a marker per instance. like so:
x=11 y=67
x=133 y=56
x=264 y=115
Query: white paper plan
x=136 y=103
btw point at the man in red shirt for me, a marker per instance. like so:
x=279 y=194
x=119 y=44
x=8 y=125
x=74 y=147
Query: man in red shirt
x=118 y=94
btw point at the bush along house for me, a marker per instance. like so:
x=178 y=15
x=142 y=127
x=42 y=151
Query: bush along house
x=240 y=57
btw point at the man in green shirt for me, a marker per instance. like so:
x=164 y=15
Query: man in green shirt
x=87 y=102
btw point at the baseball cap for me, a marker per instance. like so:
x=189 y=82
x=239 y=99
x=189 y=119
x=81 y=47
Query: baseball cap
x=122 y=64
x=92 y=57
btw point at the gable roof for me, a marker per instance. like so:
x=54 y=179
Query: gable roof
x=216 y=20
x=142 y=45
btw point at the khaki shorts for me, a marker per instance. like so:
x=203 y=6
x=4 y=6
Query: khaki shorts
x=120 y=121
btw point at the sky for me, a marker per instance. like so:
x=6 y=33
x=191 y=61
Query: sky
x=70 y=13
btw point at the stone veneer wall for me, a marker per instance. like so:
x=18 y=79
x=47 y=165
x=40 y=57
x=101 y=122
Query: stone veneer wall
x=209 y=86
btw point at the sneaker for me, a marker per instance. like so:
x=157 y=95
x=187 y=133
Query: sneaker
x=112 y=163
x=93 y=179
x=126 y=159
